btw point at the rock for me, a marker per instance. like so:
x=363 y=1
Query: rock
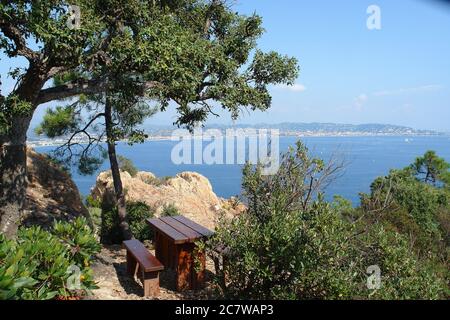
x=146 y=177
x=190 y=192
x=51 y=193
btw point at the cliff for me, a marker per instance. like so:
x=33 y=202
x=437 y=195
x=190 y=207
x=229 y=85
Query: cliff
x=51 y=193
x=190 y=192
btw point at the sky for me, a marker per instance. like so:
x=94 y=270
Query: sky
x=398 y=74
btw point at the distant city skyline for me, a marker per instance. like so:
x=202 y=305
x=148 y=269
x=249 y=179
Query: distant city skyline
x=398 y=75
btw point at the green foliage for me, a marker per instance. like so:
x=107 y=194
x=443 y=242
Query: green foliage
x=415 y=203
x=304 y=175
x=45 y=21
x=191 y=52
x=283 y=247
x=410 y=206
x=170 y=210
x=15 y=273
x=137 y=214
x=89 y=162
x=127 y=165
x=431 y=169
x=91 y=202
x=38 y=265
x=96 y=216
x=343 y=207
x=58 y=122
x=10 y=107
x=403 y=275
x=56 y=46
x=155 y=181
x=285 y=255
x=78 y=235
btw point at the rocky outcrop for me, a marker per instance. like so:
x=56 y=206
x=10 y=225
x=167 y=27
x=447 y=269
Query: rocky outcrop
x=51 y=193
x=190 y=192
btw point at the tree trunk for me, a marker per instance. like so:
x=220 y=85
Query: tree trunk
x=118 y=187
x=13 y=177
x=13 y=157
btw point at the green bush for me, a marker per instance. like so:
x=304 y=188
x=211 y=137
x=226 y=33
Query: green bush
x=170 y=210
x=409 y=206
x=137 y=213
x=40 y=264
x=91 y=202
x=78 y=236
x=127 y=165
x=155 y=181
x=415 y=203
x=288 y=255
x=403 y=274
x=96 y=216
x=287 y=246
x=284 y=246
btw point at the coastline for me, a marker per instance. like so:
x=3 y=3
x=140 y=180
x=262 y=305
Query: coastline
x=60 y=141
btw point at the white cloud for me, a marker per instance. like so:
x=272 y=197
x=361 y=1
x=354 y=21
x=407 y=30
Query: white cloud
x=425 y=88
x=360 y=100
x=297 y=87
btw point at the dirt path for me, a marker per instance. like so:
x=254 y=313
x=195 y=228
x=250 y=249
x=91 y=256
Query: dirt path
x=114 y=283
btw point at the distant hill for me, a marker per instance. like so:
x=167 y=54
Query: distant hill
x=316 y=127
x=286 y=129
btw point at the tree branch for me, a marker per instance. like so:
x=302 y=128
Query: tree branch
x=14 y=34
x=72 y=89
x=82 y=86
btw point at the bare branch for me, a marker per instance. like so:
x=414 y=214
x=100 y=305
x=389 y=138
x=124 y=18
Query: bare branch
x=83 y=86
x=72 y=89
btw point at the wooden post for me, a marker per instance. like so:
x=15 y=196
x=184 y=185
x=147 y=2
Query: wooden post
x=131 y=264
x=187 y=277
x=185 y=266
x=199 y=277
x=150 y=280
x=157 y=243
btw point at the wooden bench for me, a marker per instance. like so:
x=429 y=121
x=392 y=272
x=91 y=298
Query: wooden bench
x=140 y=261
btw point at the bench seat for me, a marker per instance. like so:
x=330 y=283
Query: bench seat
x=141 y=262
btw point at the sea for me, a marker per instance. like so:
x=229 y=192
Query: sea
x=365 y=158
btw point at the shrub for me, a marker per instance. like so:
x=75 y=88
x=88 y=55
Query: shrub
x=403 y=275
x=409 y=206
x=96 y=216
x=41 y=264
x=78 y=236
x=288 y=255
x=91 y=202
x=155 y=181
x=287 y=245
x=127 y=165
x=137 y=213
x=170 y=210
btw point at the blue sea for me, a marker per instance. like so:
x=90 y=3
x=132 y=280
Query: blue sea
x=366 y=158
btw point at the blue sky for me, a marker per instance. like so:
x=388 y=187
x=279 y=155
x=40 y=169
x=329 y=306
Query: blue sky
x=399 y=74
x=350 y=74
